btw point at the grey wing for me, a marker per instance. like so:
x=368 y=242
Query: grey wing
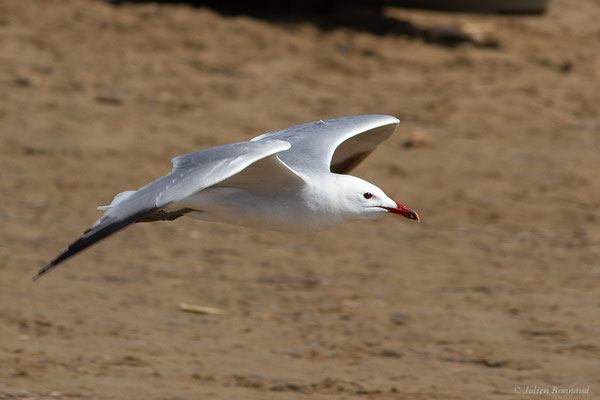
x=337 y=145
x=268 y=175
x=191 y=173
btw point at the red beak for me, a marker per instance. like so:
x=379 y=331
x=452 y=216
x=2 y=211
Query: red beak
x=404 y=211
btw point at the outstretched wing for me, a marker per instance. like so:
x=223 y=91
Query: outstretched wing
x=335 y=145
x=191 y=173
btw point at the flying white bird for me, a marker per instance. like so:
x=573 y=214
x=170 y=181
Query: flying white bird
x=287 y=180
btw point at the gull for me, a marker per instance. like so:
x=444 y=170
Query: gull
x=287 y=180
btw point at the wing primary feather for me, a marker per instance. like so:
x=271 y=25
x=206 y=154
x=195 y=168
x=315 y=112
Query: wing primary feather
x=335 y=145
x=90 y=237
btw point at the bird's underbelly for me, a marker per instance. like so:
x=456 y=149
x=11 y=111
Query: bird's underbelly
x=268 y=223
x=272 y=211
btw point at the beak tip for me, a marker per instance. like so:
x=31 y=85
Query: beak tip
x=415 y=216
x=404 y=211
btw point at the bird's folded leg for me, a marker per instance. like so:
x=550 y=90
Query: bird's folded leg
x=162 y=215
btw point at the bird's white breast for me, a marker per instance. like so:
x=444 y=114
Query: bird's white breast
x=286 y=210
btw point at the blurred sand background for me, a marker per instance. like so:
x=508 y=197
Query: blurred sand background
x=498 y=150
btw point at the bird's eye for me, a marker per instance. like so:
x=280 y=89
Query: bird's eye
x=368 y=195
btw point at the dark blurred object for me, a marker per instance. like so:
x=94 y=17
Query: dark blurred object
x=477 y=34
x=479 y=6
x=357 y=15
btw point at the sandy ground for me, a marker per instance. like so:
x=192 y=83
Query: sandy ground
x=495 y=291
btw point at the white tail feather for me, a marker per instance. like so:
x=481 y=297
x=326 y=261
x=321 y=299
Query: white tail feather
x=117 y=199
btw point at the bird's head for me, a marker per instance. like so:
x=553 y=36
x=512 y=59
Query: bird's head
x=359 y=199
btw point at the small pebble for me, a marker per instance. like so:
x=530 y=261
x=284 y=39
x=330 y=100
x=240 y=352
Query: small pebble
x=418 y=139
x=398 y=318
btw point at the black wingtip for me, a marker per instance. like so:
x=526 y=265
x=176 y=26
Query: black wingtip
x=91 y=236
x=43 y=272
